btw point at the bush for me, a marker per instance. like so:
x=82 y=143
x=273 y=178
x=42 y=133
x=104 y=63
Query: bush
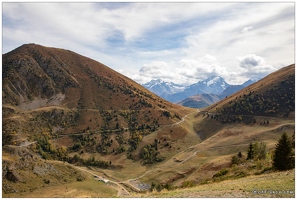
x=166 y=113
x=222 y=172
x=187 y=184
x=235 y=160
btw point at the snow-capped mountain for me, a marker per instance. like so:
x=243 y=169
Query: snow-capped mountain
x=214 y=85
x=162 y=88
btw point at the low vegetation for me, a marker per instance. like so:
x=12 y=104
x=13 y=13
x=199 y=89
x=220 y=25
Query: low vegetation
x=257 y=160
x=276 y=184
x=150 y=153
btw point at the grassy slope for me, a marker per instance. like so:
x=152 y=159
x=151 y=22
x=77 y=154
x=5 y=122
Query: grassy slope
x=244 y=187
x=214 y=153
x=88 y=188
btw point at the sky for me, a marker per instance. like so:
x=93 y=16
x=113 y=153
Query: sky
x=177 y=42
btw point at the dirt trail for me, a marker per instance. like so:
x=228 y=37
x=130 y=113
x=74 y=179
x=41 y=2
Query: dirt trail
x=121 y=190
x=182 y=120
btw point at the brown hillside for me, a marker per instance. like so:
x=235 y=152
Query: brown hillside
x=59 y=105
x=58 y=95
x=200 y=100
x=273 y=95
x=33 y=71
x=36 y=77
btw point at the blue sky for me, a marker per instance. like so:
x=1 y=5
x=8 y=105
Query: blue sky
x=179 y=42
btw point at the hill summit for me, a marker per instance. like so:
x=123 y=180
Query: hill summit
x=61 y=93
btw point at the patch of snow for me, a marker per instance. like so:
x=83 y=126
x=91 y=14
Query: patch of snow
x=212 y=81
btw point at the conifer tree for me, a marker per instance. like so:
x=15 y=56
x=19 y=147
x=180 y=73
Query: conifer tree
x=250 y=154
x=283 y=158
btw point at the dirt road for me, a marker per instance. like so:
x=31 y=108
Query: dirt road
x=121 y=190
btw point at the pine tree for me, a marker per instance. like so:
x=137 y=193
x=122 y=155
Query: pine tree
x=250 y=154
x=283 y=156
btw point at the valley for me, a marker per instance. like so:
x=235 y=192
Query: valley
x=205 y=158
x=72 y=127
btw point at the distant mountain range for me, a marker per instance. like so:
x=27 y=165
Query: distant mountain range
x=213 y=89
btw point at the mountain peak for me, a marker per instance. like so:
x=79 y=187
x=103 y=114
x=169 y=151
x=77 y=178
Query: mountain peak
x=248 y=82
x=213 y=84
x=157 y=81
x=161 y=87
x=213 y=80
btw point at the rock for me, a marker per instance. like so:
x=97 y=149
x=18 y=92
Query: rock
x=46 y=181
x=12 y=175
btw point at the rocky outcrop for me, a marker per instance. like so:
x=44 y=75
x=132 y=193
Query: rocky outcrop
x=10 y=173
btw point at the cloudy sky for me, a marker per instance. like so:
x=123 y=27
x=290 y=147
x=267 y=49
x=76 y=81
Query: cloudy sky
x=178 y=42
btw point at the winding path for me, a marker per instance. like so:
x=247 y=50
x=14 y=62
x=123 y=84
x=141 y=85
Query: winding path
x=121 y=190
x=182 y=120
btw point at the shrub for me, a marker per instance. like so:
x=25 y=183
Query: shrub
x=222 y=172
x=235 y=160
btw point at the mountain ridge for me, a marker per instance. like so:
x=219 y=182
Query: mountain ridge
x=215 y=86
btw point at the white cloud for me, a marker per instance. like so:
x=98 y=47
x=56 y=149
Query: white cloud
x=246 y=29
x=250 y=61
x=254 y=67
x=184 y=71
x=224 y=38
x=158 y=69
x=92 y=24
x=189 y=71
x=204 y=38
